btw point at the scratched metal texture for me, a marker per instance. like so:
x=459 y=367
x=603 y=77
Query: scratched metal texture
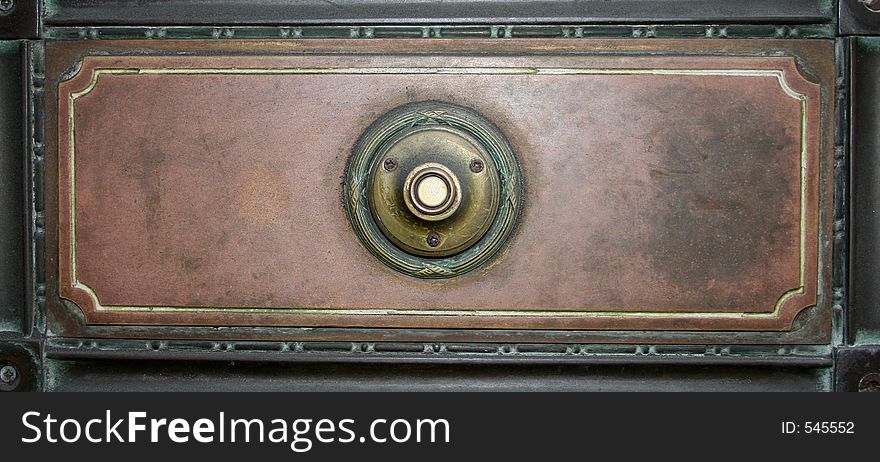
x=618 y=213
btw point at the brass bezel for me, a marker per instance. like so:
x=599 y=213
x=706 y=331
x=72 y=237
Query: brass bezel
x=433 y=150
x=368 y=155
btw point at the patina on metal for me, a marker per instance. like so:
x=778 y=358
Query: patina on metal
x=646 y=208
x=85 y=357
x=431 y=205
x=6 y=6
x=434 y=205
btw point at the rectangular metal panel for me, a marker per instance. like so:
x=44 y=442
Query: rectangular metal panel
x=211 y=12
x=20 y=19
x=12 y=186
x=859 y=17
x=675 y=192
x=128 y=375
x=864 y=146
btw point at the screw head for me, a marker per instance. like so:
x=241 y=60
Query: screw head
x=433 y=239
x=6 y=6
x=8 y=374
x=390 y=164
x=870 y=382
x=477 y=166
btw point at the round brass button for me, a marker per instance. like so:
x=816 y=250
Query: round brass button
x=433 y=190
x=433 y=203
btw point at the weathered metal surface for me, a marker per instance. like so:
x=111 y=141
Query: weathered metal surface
x=423 y=192
x=439 y=353
x=486 y=216
x=864 y=146
x=700 y=210
x=111 y=374
x=19 y=19
x=859 y=17
x=227 y=12
x=12 y=187
x=857 y=369
x=20 y=366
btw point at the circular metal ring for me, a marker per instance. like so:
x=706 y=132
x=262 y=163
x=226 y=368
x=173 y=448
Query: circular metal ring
x=502 y=170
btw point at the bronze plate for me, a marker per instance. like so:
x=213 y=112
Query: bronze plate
x=669 y=185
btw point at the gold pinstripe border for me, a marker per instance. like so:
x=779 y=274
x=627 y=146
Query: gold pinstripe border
x=779 y=75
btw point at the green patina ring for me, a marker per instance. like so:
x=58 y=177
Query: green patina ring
x=365 y=156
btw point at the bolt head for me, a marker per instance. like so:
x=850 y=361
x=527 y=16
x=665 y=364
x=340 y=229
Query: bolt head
x=433 y=240
x=870 y=382
x=389 y=165
x=8 y=374
x=477 y=166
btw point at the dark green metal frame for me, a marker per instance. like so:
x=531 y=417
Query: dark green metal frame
x=48 y=362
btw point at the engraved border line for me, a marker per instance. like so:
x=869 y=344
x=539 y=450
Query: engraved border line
x=778 y=74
